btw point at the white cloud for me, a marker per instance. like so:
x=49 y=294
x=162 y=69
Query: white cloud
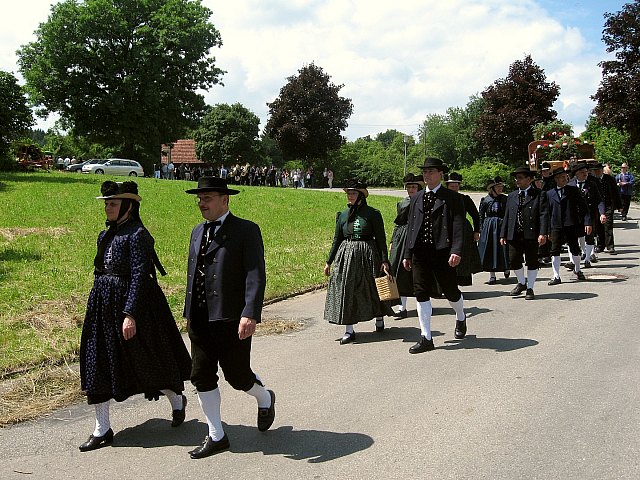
x=398 y=61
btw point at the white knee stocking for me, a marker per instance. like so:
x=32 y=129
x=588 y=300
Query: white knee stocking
x=403 y=306
x=520 y=275
x=261 y=394
x=174 y=398
x=103 y=424
x=458 y=307
x=210 y=404
x=424 y=316
x=531 y=277
x=576 y=263
x=555 y=266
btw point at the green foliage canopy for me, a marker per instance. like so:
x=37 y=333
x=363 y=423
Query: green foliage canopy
x=123 y=73
x=618 y=97
x=15 y=115
x=226 y=134
x=308 y=116
x=513 y=105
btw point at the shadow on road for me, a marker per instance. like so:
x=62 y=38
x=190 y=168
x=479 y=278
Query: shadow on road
x=315 y=446
x=496 y=344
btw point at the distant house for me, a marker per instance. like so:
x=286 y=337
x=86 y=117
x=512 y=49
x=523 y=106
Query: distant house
x=182 y=151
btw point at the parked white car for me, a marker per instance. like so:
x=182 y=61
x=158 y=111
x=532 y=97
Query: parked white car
x=115 y=166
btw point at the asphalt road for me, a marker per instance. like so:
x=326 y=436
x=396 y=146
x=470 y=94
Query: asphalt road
x=542 y=389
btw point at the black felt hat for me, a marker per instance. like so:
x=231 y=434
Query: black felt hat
x=453 y=177
x=493 y=182
x=558 y=171
x=355 y=184
x=121 y=190
x=524 y=170
x=213 y=184
x=411 y=179
x=432 y=162
x=579 y=166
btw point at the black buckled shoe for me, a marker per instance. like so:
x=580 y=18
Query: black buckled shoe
x=423 y=345
x=96 y=442
x=266 y=416
x=178 y=415
x=210 y=447
x=580 y=275
x=554 y=281
x=530 y=295
x=593 y=258
x=492 y=281
x=401 y=314
x=569 y=266
x=348 y=338
x=587 y=265
x=518 y=289
x=461 y=329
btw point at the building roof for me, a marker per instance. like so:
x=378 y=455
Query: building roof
x=183 y=151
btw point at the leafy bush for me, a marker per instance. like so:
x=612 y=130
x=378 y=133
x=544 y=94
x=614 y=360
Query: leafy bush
x=475 y=176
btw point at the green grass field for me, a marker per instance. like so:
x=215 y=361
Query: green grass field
x=48 y=229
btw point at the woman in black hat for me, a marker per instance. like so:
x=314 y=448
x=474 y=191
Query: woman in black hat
x=492 y=207
x=470 y=262
x=130 y=343
x=404 y=279
x=358 y=255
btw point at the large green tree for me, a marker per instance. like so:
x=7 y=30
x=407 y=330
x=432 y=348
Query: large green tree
x=512 y=106
x=228 y=132
x=618 y=97
x=15 y=115
x=308 y=116
x=124 y=73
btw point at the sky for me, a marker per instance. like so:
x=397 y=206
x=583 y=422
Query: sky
x=398 y=61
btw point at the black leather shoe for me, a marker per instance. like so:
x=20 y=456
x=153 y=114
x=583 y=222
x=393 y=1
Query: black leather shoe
x=593 y=258
x=423 y=345
x=587 y=265
x=611 y=251
x=492 y=281
x=178 y=415
x=96 y=442
x=380 y=326
x=210 y=447
x=530 y=295
x=580 y=276
x=518 y=289
x=554 y=281
x=348 y=338
x=266 y=416
x=507 y=274
x=401 y=314
x=569 y=266
x=461 y=329
x=597 y=250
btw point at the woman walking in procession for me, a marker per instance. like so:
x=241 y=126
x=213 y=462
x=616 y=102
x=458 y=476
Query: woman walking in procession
x=404 y=279
x=494 y=256
x=358 y=255
x=130 y=343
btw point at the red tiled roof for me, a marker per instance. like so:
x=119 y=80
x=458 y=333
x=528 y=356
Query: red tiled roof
x=183 y=151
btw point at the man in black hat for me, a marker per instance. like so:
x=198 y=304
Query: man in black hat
x=225 y=290
x=589 y=189
x=524 y=228
x=569 y=217
x=612 y=201
x=435 y=239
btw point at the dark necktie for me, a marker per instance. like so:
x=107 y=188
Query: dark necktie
x=521 y=196
x=199 y=287
x=560 y=192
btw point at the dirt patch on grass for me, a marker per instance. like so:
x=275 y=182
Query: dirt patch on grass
x=278 y=326
x=39 y=392
x=48 y=315
x=13 y=233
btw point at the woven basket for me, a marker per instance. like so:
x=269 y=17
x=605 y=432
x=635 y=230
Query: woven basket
x=387 y=288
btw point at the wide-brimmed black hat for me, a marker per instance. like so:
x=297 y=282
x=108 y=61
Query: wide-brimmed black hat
x=355 y=184
x=213 y=184
x=453 y=177
x=411 y=179
x=524 y=170
x=595 y=166
x=432 y=162
x=492 y=182
x=558 y=171
x=579 y=166
x=545 y=166
x=112 y=190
